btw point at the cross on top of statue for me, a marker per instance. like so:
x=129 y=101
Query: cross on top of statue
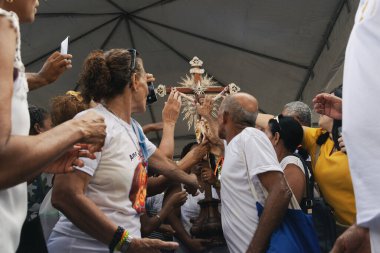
x=193 y=89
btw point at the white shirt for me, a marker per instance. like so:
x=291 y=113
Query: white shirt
x=252 y=150
x=361 y=122
x=13 y=201
x=119 y=178
x=291 y=159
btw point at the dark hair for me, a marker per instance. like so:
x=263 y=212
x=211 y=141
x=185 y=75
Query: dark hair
x=105 y=74
x=290 y=131
x=64 y=108
x=336 y=124
x=37 y=116
x=186 y=149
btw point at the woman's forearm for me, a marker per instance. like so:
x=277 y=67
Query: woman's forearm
x=157 y=185
x=81 y=210
x=169 y=169
x=167 y=140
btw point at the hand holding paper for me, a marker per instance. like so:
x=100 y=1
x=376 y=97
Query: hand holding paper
x=65 y=45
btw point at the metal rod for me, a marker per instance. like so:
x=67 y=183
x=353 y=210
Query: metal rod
x=130 y=31
x=71 y=42
x=181 y=55
x=223 y=43
x=161 y=2
x=56 y=14
x=324 y=42
x=104 y=44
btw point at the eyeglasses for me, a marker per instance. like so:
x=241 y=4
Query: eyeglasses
x=133 y=53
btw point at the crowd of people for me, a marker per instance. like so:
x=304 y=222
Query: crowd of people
x=83 y=177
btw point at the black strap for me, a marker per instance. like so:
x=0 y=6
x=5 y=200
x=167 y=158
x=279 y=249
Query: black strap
x=307 y=202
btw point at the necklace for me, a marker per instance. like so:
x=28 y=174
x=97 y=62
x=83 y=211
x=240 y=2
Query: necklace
x=122 y=123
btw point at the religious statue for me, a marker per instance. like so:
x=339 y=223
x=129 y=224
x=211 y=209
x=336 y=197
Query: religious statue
x=193 y=90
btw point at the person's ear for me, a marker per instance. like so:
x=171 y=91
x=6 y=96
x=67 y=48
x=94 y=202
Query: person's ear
x=37 y=128
x=134 y=82
x=276 y=138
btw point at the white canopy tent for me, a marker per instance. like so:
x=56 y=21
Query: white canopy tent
x=279 y=51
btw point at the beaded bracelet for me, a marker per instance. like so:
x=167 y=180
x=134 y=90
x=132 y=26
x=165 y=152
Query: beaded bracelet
x=117 y=236
x=122 y=240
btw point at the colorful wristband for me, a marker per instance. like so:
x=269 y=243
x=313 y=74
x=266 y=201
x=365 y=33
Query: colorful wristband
x=122 y=240
x=117 y=236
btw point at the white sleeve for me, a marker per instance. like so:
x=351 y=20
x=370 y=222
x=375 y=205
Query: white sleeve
x=293 y=160
x=151 y=148
x=259 y=154
x=90 y=165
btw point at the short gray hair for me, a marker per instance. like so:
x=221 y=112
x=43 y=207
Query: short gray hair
x=238 y=114
x=300 y=110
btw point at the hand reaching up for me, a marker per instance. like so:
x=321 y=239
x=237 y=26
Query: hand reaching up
x=205 y=108
x=172 y=108
x=177 y=199
x=208 y=176
x=329 y=105
x=55 y=66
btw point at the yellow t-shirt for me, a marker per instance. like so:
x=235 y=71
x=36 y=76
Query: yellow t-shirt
x=332 y=174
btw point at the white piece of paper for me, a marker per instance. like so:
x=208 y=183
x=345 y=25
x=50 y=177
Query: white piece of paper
x=65 y=45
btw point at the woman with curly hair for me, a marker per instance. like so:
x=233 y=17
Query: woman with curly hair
x=102 y=202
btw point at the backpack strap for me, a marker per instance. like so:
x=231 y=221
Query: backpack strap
x=307 y=202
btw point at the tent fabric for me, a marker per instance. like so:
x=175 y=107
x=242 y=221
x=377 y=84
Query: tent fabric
x=279 y=51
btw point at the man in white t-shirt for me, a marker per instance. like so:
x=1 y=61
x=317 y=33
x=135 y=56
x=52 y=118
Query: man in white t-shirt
x=361 y=126
x=249 y=155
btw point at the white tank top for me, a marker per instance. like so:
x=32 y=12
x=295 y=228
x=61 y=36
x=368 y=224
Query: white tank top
x=13 y=201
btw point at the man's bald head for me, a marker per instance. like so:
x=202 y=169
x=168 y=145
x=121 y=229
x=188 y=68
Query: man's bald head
x=242 y=108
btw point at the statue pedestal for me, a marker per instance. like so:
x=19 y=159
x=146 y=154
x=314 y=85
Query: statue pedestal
x=208 y=224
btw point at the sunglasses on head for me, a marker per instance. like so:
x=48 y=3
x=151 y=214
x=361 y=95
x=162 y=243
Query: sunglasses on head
x=152 y=97
x=133 y=53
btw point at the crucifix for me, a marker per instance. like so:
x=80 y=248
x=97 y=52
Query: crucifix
x=193 y=90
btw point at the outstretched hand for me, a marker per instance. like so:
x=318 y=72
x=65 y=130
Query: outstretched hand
x=177 y=199
x=146 y=245
x=329 y=105
x=55 y=66
x=71 y=158
x=93 y=129
x=199 y=245
x=208 y=176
